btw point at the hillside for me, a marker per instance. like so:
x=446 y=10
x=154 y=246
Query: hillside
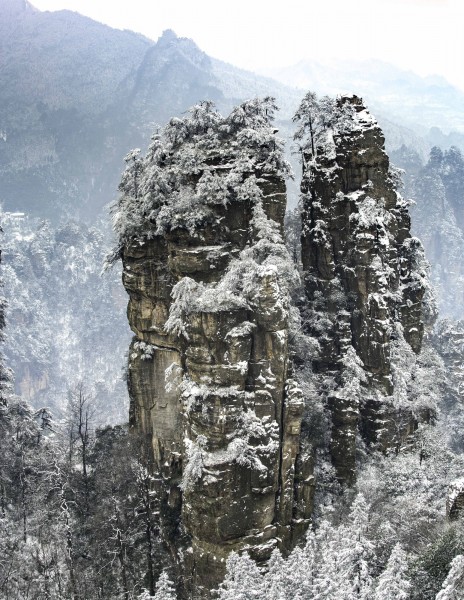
x=75 y=94
x=269 y=405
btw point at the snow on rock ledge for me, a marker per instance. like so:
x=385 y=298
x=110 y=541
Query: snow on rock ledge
x=200 y=222
x=366 y=279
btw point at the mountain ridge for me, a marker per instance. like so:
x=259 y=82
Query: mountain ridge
x=75 y=94
x=421 y=102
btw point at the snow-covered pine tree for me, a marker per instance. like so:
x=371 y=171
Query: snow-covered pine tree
x=453 y=586
x=393 y=583
x=164 y=588
x=314 y=117
x=180 y=178
x=243 y=580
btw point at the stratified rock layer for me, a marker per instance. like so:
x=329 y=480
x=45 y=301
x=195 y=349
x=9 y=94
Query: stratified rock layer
x=214 y=401
x=209 y=279
x=362 y=280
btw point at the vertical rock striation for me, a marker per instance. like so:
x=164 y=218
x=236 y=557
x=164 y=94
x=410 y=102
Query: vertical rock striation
x=365 y=280
x=227 y=429
x=200 y=222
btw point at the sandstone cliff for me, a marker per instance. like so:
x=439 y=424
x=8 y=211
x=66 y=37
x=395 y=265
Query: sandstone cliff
x=215 y=374
x=201 y=223
x=365 y=278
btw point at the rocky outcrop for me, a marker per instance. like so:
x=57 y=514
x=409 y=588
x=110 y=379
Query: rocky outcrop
x=213 y=391
x=438 y=219
x=365 y=281
x=208 y=369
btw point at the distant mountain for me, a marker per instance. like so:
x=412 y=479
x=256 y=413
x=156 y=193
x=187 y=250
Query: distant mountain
x=76 y=95
x=59 y=77
x=401 y=96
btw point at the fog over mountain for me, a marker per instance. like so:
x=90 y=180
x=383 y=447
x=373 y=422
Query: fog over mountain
x=402 y=96
x=75 y=95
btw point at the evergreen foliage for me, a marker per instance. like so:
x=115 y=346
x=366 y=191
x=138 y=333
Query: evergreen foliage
x=453 y=586
x=196 y=162
x=74 y=519
x=65 y=320
x=393 y=582
x=317 y=117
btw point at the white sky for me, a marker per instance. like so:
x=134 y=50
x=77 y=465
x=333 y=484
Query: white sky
x=426 y=36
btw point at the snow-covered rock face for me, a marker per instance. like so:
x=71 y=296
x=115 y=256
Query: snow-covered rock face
x=455 y=499
x=200 y=224
x=208 y=275
x=365 y=276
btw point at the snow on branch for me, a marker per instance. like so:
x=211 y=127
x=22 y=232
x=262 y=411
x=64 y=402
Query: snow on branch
x=196 y=162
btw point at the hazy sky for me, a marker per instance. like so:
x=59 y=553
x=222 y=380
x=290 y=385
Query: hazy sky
x=423 y=35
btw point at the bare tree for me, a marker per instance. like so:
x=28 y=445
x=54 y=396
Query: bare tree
x=80 y=431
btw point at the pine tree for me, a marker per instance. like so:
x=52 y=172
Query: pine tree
x=294 y=577
x=453 y=586
x=243 y=580
x=393 y=584
x=329 y=579
x=164 y=588
x=314 y=117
